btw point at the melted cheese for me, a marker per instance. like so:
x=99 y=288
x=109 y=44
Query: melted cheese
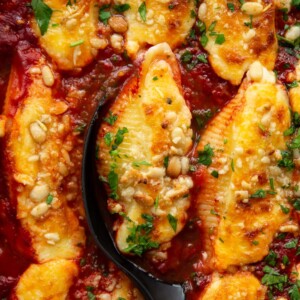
x=153 y=110
x=240 y=228
x=243 y=45
x=240 y=286
x=70 y=24
x=294 y=93
x=39 y=140
x=162 y=23
x=50 y=280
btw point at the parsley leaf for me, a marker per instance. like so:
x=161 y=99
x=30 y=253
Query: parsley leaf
x=204 y=40
x=284 y=209
x=186 y=56
x=80 y=127
x=49 y=199
x=141 y=163
x=42 y=13
x=271 y=258
x=294 y=292
x=259 y=194
x=108 y=137
x=143 y=11
x=273 y=278
x=121 y=7
x=113 y=180
x=296 y=204
x=214 y=173
x=202 y=58
x=295 y=143
x=220 y=39
x=139 y=239
x=166 y=162
x=111 y=119
x=286 y=161
x=230 y=6
x=119 y=137
x=104 y=15
x=173 y=222
x=205 y=156
x=292 y=244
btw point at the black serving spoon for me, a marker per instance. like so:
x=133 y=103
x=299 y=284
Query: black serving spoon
x=100 y=222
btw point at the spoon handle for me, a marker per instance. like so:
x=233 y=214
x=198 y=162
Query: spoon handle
x=158 y=290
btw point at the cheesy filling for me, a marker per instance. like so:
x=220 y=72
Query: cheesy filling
x=143 y=143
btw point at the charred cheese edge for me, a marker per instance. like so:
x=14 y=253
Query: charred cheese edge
x=38 y=143
x=50 y=280
x=240 y=286
x=71 y=39
x=242 y=44
x=240 y=225
x=162 y=23
x=153 y=111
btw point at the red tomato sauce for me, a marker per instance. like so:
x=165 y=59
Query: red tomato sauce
x=204 y=92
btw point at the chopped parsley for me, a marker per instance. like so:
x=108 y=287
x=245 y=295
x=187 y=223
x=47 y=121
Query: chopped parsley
x=215 y=174
x=111 y=119
x=212 y=26
x=108 y=138
x=271 y=181
x=186 y=57
x=113 y=180
x=255 y=243
x=205 y=156
x=91 y=296
x=203 y=40
x=292 y=244
x=230 y=6
x=104 y=15
x=119 y=137
x=273 y=279
x=271 y=258
x=49 y=199
x=295 y=143
x=220 y=39
x=121 y=8
x=289 y=131
x=76 y=43
x=232 y=165
x=155 y=78
x=166 y=162
x=80 y=127
x=259 y=194
x=202 y=58
x=296 y=204
x=250 y=23
x=292 y=84
x=213 y=212
x=143 y=11
x=284 y=209
x=193 y=14
x=287 y=160
x=172 y=221
x=42 y=14
x=202 y=117
x=285 y=260
x=139 y=239
x=141 y=163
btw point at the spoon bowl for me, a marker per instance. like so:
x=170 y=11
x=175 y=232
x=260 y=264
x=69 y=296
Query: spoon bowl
x=100 y=222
